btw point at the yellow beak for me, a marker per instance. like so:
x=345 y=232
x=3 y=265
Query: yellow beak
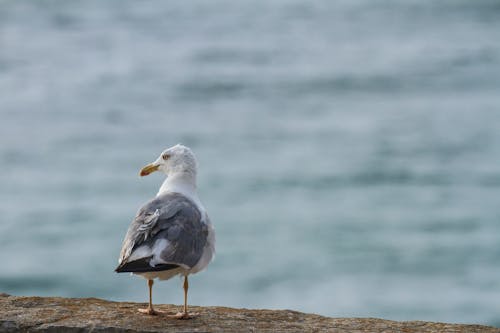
x=148 y=169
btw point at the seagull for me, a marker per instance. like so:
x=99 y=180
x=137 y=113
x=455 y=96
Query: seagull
x=171 y=234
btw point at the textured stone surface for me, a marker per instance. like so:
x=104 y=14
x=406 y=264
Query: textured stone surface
x=52 y=314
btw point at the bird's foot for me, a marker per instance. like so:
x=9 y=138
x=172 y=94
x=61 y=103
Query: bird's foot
x=184 y=315
x=149 y=311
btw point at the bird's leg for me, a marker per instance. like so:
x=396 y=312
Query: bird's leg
x=149 y=310
x=186 y=287
x=185 y=314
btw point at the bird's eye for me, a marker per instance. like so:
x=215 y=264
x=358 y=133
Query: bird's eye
x=165 y=156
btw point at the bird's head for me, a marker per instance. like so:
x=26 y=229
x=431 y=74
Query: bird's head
x=176 y=159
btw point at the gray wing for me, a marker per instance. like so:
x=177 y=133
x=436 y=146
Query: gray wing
x=167 y=232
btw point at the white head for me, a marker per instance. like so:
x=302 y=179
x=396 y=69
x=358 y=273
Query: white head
x=178 y=159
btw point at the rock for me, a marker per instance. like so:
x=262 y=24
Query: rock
x=54 y=314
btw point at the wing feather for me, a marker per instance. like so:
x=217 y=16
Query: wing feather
x=168 y=231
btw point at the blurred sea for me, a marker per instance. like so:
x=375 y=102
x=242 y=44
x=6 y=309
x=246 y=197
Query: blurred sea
x=349 y=150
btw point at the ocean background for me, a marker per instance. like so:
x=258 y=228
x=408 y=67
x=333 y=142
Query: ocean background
x=349 y=151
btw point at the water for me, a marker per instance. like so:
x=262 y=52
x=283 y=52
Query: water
x=349 y=151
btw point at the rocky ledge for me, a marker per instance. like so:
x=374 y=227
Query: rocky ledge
x=54 y=314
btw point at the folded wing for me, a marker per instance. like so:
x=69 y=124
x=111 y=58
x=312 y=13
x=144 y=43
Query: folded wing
x=167 y=233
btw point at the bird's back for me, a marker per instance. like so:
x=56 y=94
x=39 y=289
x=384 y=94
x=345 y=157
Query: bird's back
x=167 y=233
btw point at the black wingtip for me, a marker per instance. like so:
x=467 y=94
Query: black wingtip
x=122 y=268
x=142 y=266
